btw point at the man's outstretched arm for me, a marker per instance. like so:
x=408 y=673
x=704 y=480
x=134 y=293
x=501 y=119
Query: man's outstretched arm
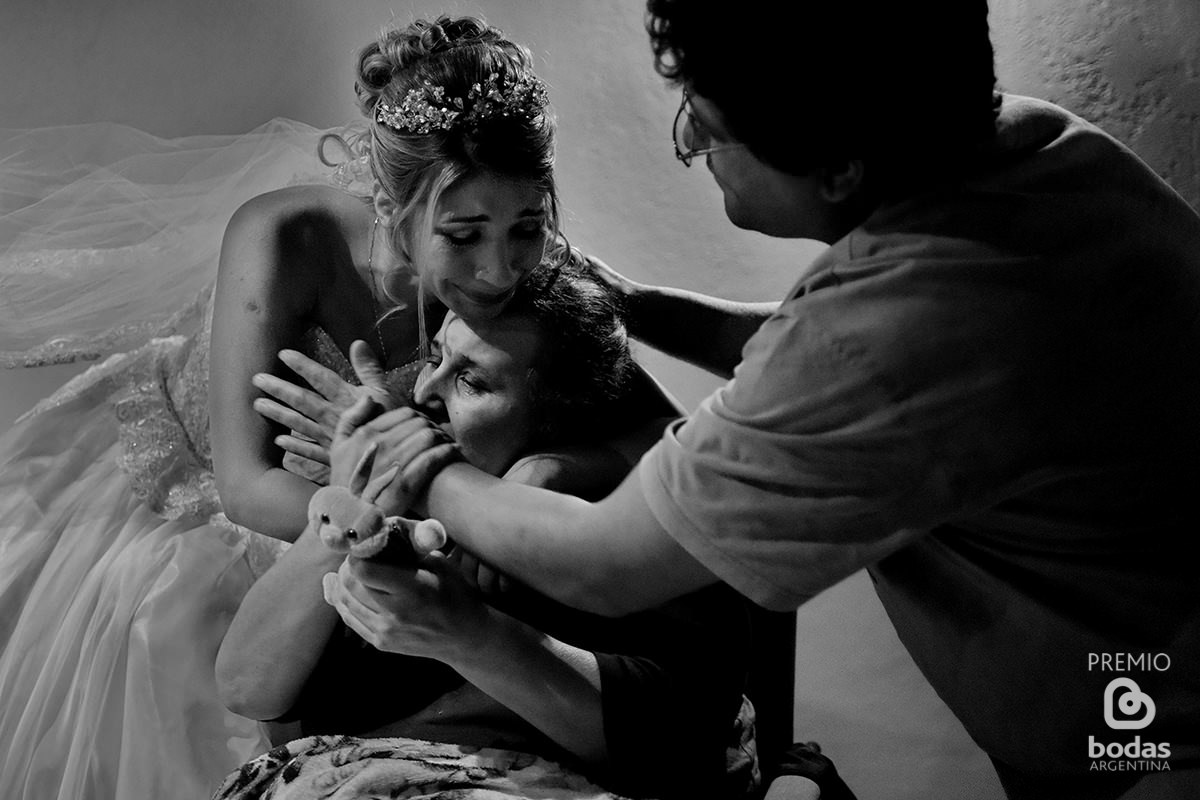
x=609 y=557
x=705 y=331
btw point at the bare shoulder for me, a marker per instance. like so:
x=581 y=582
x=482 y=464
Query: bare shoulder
x=297 y=231
x=297 y=210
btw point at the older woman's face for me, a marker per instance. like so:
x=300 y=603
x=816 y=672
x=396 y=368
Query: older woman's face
x=488 y=233
x=476 y=382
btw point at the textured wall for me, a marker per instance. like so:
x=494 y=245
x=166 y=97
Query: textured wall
x=1131 y=67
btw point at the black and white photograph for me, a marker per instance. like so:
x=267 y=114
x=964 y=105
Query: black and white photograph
x=599 y=400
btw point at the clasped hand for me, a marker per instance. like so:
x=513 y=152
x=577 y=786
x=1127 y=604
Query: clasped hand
x=401 y=441
x=433 y=607
x=423 y=608
x=430 y=608
x=313 y=412
x=334 y=414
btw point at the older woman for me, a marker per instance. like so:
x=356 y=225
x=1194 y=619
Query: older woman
x=616 y=698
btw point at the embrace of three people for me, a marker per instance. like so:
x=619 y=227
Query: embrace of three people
x=982 y=392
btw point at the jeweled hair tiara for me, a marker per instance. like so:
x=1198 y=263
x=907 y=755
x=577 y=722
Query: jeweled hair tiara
x=427 y=108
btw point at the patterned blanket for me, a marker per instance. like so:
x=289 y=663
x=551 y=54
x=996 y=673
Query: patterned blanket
x=351 y=768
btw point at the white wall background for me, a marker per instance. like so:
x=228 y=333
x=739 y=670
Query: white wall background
x=175 y=67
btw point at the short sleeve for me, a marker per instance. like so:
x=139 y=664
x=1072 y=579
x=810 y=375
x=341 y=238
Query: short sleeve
x=809 y=464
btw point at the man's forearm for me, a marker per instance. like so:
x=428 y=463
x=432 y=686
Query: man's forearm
x=708 y=332
x=500 y=520
x=610 y=557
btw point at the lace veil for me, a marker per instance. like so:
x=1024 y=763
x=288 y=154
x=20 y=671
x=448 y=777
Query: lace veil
x=109 y=236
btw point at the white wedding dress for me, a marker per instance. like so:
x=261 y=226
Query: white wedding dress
x=118 y=572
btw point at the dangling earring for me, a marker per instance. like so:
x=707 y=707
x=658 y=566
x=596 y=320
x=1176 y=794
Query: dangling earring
x=422 y=334
x=409 y=267
x=423 y=349
x=375 y=310
x=414 y=277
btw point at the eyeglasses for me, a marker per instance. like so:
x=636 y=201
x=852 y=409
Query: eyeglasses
x=692 y=137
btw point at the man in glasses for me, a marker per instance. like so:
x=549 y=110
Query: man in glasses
x=986 y=391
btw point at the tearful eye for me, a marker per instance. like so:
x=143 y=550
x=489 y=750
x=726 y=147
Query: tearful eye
x=324 y=519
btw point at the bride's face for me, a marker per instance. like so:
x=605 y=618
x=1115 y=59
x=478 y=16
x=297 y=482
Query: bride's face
x=488 y=233
x=476 y=382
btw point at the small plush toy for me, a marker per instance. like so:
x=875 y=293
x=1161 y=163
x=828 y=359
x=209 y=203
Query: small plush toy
x=348 y=521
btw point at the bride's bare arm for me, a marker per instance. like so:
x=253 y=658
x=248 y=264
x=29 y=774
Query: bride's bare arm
x=264 y=295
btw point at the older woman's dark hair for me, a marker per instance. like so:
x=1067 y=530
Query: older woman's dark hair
x=583 y=375
x=906 y=86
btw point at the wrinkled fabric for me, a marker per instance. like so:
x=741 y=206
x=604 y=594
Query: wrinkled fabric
x=349 y=768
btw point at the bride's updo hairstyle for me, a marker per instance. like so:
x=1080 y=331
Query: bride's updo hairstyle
x=446 y=100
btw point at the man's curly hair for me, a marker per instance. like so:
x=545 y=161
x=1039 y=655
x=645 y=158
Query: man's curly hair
x=804 y=84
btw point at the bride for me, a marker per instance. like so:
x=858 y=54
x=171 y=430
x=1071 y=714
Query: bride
x=130 y=525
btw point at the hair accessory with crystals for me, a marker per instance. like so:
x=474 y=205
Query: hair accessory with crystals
x=427 y=108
